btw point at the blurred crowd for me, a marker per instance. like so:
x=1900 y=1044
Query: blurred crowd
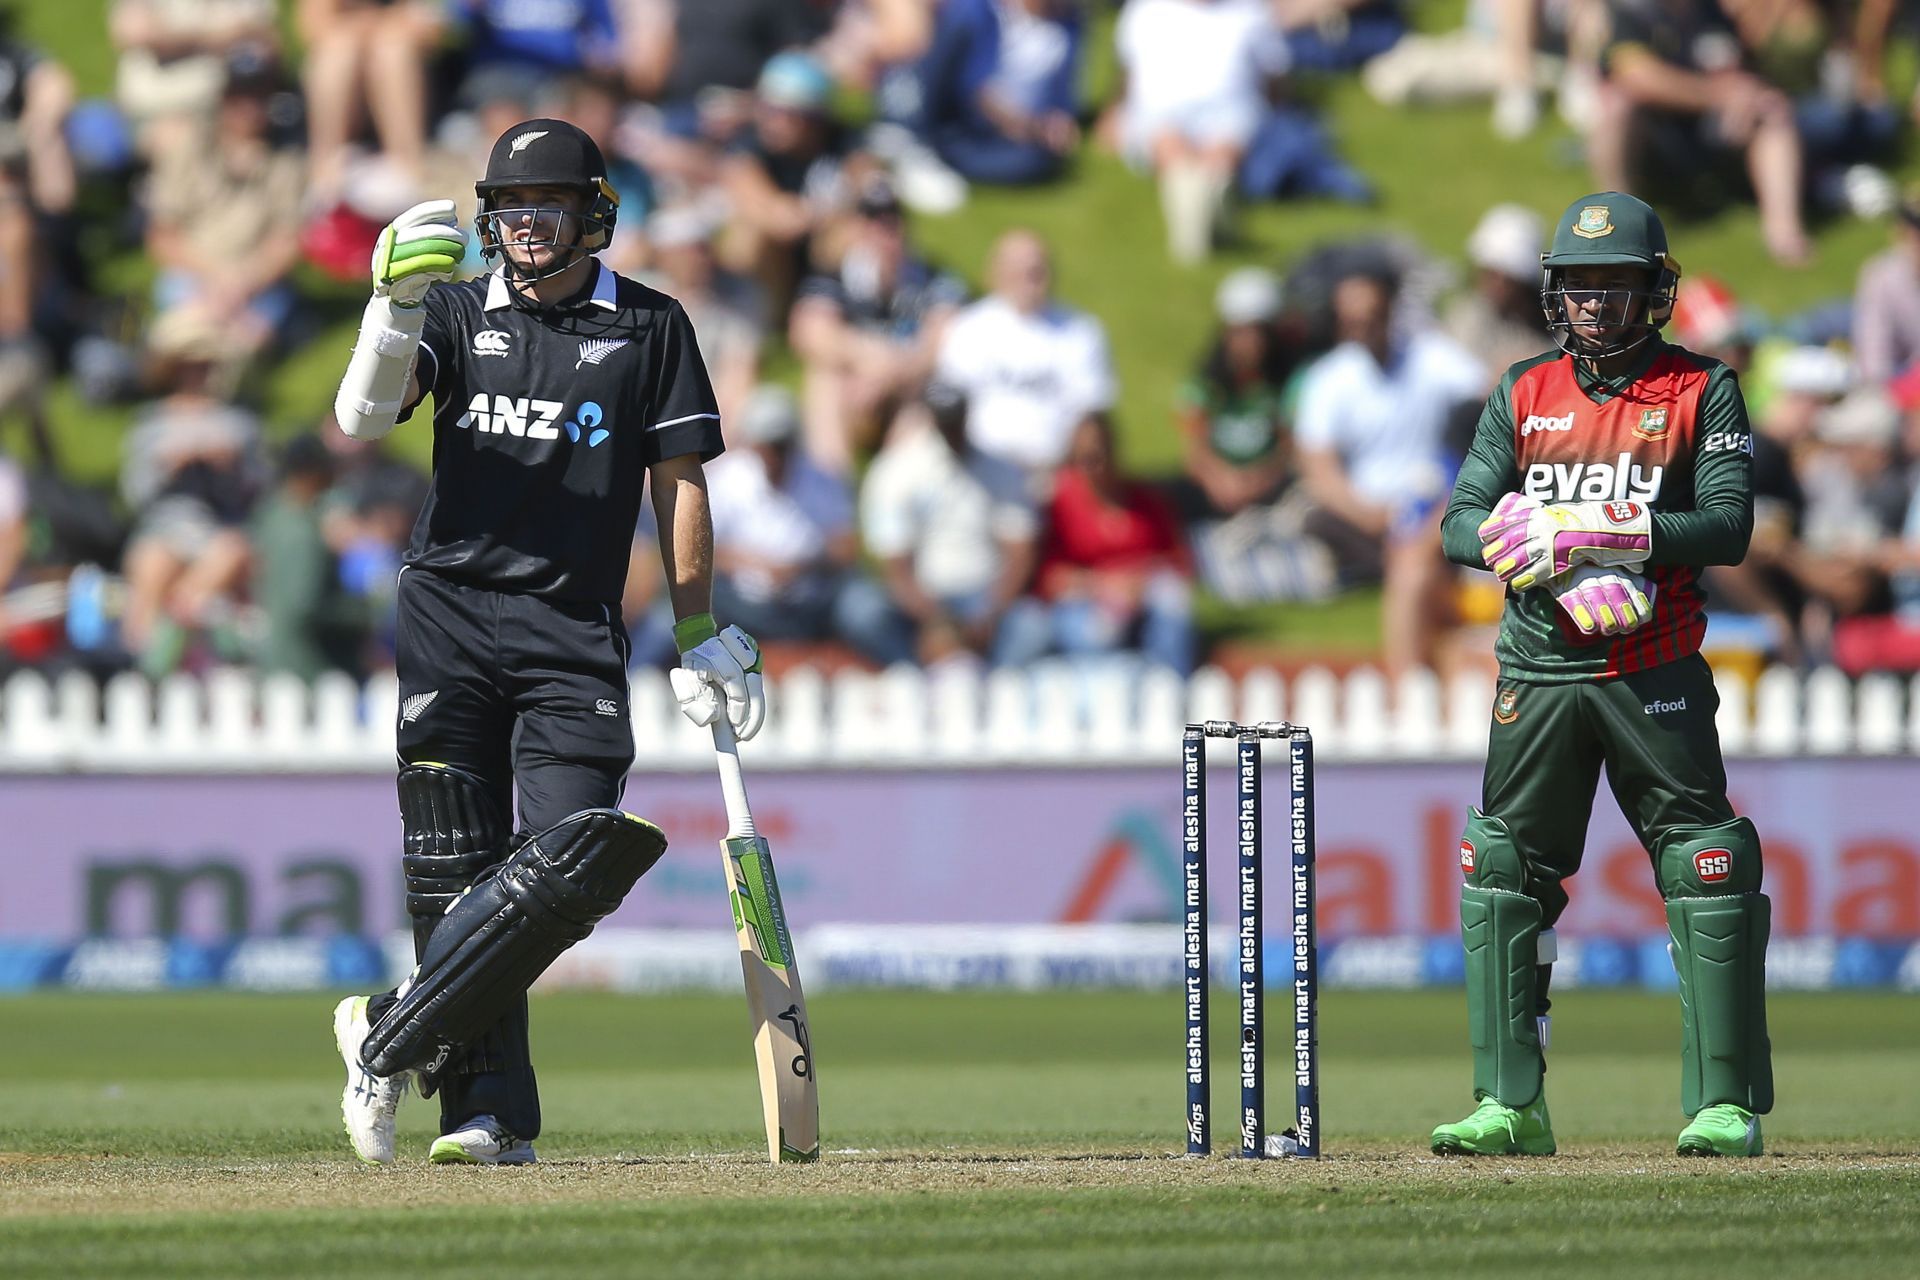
x=938 y=479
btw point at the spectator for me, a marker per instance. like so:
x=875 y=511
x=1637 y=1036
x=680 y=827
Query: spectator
x=705 y=56
x=225 y=219
x=1371 y=433
x=36 y=182
x=1337 y=35
x=1195 y=111
x=366 y=56
x=1707 y=318
x=954 y=534
x=1233 y=495
x=309 y=625
x=173 y=62
x=1500 y=320
x=790 y=177
x=998 y=88
x=1856 y=500
x=13 y=535
x=868 y=331
x=784 y=544
x=1114 y=571
x=190 y=474
x=1676 y=91
x=727 y=310
x=1030 y=367
x=592 y=104
x=1886 y=301
x=515 y=48
x=367 y=518
x=1758 y=604
x=1232 y=410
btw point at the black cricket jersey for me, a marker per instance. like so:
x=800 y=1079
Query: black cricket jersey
x=544 y=424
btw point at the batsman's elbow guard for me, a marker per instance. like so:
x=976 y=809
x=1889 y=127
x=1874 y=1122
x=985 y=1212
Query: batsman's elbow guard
x=373 y=390
x=502 y=934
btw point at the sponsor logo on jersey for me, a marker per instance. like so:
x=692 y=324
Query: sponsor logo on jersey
x=1506 y=708
x=1542 y=422
x=492 y=342
x=513 y=416
x=605 y=707
x=1657 y=707
x=1713 y=865
x=411 y=709
x=1728 y=441
x=1652 y=425
x=596 y=350
x=1466 y=855
x=1620 y=480
x=1621 y=512
x=589 y=416
x=524 y=141
x=1594 y=221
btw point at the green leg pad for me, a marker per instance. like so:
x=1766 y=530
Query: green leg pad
x=1720 y=953
x=1501 y=933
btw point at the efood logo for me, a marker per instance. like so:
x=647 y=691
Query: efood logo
x=491 y=342
x=588 y=420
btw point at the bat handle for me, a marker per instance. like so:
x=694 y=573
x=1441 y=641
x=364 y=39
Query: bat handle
x=733 y=788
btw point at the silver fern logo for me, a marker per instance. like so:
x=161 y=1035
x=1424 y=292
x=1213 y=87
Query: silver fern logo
x=416 y=706
x=524 y=141
x=596 y=350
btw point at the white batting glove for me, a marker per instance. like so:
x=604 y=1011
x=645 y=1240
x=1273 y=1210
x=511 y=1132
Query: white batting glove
x=719 y=672
x=420 y=248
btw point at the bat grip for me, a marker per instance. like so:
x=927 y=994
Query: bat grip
x=733 y=788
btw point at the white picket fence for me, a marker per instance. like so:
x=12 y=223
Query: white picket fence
x=1057 y=714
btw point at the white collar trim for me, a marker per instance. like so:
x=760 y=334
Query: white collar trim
x=500 y=293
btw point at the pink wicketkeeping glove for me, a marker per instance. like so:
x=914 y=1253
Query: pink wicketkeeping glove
x=1507 y=526
x=1604 y=602
x=1557 y=538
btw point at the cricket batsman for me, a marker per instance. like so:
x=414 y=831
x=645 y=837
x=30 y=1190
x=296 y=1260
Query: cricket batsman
x=1601 y=477
x=560 y=392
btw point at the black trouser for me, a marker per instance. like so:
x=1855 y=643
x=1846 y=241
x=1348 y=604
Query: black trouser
x=526 y=694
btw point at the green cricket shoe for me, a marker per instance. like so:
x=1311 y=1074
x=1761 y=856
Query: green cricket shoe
x=1721 y=1130
x=1495 y=1129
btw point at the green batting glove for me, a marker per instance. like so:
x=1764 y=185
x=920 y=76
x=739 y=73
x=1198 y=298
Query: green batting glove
x=420 y=248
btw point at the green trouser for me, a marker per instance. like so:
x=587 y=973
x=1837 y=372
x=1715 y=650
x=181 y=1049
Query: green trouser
x=1653 y=732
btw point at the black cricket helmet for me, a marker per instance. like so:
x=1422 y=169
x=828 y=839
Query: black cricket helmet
x=1610 y=228
x=546 y=153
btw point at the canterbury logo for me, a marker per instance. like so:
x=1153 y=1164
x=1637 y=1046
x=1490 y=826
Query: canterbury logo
x=416 y=706
x=491 y=342
x=596 y=350
x=524 y=141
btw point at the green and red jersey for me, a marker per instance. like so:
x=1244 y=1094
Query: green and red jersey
x=1672 y=433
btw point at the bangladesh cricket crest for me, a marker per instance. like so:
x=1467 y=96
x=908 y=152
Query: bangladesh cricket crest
x=1595 y=220
x=1506 y=708
x=1653 y=424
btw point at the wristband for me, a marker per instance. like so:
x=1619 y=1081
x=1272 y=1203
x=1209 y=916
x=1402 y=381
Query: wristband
x=694 y=630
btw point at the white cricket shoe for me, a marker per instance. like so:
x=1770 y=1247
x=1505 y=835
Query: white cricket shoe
x=369 y=1102
x=481 y=1140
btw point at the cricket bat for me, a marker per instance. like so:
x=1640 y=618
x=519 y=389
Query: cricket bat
x=782 y=1040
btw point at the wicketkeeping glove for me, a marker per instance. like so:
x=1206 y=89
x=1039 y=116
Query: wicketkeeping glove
x=716 y=672
x=1553 y=540
x=1604 y=602
x=421 y=247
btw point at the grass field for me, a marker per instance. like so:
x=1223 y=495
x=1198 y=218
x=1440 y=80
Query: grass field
x=966 y=1135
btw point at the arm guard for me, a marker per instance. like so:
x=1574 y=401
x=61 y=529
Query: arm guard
x=374 y=388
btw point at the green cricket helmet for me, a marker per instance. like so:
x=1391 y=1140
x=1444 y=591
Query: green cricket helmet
x=1610 y=228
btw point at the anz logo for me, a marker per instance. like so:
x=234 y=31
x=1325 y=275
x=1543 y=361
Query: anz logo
x=513 y=416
